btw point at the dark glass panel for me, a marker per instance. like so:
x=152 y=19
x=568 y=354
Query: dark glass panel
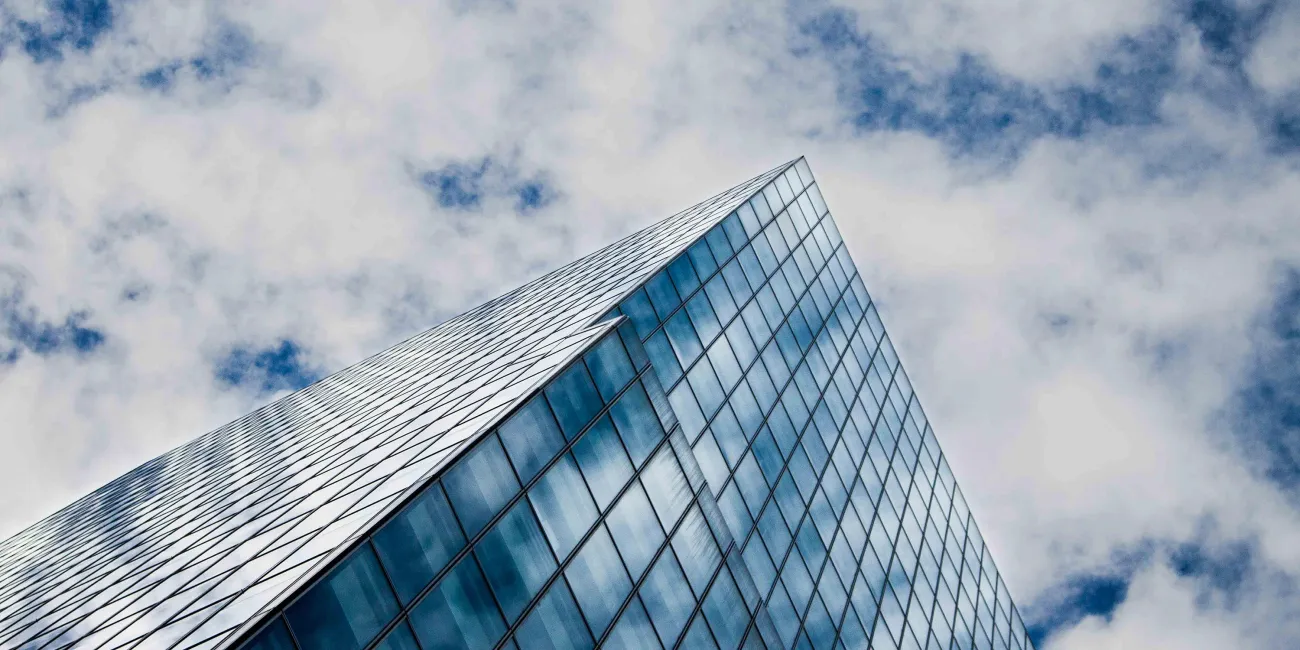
x=599 y=580
x=459 y=613
x=346 y=609
x=603 y=461
x=419 y=542
x=563 y=505
x=400 y=638
x=725 y=611
x=635 y=529
x=633 y=630
x=516 y=559
x=610 y=367
x=480 y=484
x=637 y=423
x=555 y=624
x=531 y=437
x=273 y=637
x=574 y=399
x=667 y=598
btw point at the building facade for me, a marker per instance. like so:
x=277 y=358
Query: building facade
x=697 y=437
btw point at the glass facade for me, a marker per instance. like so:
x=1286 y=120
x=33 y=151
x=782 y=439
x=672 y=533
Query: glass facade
x=698 y=437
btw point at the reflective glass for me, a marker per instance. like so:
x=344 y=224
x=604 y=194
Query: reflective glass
x=531 y=437
x=574 y=399
x=603 y=461
x=555 y=623
x=480 y=484
x=346 y=609
x=635 y=528
x=459 y=613
x=563 y=505
x=515 y=559
x=599 y=580
x=419 y=542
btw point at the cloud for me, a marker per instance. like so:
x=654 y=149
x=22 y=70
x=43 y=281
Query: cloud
x=1078 y=220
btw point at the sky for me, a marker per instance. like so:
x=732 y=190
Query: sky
x=1079 y=220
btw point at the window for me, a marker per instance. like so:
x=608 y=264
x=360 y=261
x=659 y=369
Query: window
x=563 y=505
x=610 y=367
x=555 y=623
x=635 y=529
x=531 y=437
x=603 y=461
x=516 y=559
x=346 y=609
x=599 y=580
x=459 y=613
x=574 y=399
x=419 y=542
x=480 y=484
x=637 y=423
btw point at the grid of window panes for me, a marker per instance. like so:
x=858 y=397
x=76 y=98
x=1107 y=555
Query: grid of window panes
x=582 y=520
x=190 y=548
x=821 y=460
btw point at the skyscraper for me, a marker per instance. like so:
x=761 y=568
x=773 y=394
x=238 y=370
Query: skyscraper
x=697 y=437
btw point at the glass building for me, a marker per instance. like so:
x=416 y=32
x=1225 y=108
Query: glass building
x=697 y=437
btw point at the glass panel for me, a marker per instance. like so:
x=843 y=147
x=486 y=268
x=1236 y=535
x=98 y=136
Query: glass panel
x=637 y=423
x=633 y=630
x=635 y=529
x=346 y=609
x=599 y=580
x=666 y=484
x=555 y=623
x=419 y=542
x=273 y=637
x=400 y=638
x=531 y=438
x=574 y=399
x=480 y=485
x=610 y=367
x=725 y=611
x=603 y=461
x=563 y=505
x=516 y=559
x=459 y=613
x=667 y=598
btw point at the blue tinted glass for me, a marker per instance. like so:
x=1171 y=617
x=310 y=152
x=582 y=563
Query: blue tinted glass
x=346 y=609
x=702 y=316
x=705 y=264
x=555 y=623
x=663 y=358
x=633 y=346
x=459 y=613
x=687 y=410
x=633 y=630
x=662 y=295
x=603 y=461
x=724 y=610
x=667 y=598
x=724 y=363
x=698 y=636
x=635 y=529
x=574 y=399
x=683 y=275
x=400 y=638
x=681 y=334
x=531 y=438
x=419 y=542
x=610 y=367
x=706 y=387
x=515 y=559
x=638 y=309
x=480 y=484
x=637 y=422
x=696 y=550
x=563 y=505
x=720 y=297
x=273 y=637
x=666 y=484
x=599 y=580
x=718 y=243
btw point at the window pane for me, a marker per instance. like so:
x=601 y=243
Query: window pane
x=419 y=542
x=459 y=613
x=663 y=358
x=698 y=636
x=563 y=505
x=635 y=529
x=399 y=639
x=531 y=438
x=666 y=484
x=603 y=461
x=637 y=423
x=667 y=598
x=725 y=611
x=480 y=484
x=610 y=367
x=662 y=294
x=574 y=399
x=638 y=309
x=555 y=623
x=274 y=637
x=696 y=550
x=599 y=580
x=633 y=630
x=346 y=609
x=516 y=559
x=682 y=336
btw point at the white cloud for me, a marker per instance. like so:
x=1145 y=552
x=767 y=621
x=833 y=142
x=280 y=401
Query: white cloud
x=1274 y=65
x=288 y=207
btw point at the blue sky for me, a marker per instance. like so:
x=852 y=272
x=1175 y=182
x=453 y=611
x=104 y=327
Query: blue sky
x=1078 y=219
